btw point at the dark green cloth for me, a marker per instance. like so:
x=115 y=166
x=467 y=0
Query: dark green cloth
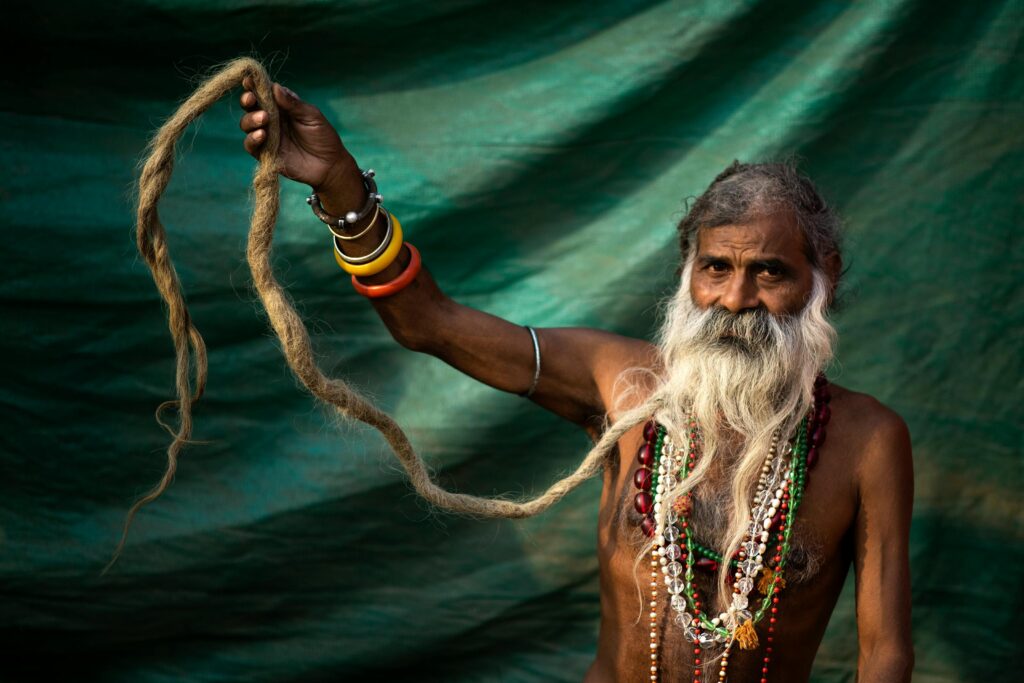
x=538 y=155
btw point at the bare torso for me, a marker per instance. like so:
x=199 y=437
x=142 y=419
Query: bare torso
x=823 y=539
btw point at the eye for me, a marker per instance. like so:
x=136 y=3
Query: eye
x=717 y=267
x=773 y=272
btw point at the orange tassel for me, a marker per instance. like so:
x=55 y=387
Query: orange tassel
x=682 y=506
x=746 y=636
x=767 y=577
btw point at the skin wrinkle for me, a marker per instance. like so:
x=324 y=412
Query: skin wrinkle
x=744 y=191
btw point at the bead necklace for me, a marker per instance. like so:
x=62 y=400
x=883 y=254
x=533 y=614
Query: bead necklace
x=773 y=510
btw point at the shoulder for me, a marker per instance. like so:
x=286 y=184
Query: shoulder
x=626 y=372
x=618 y=353
x=877 y=438
x=873 y=420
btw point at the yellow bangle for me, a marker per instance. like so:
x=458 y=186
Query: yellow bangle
x=381 y=262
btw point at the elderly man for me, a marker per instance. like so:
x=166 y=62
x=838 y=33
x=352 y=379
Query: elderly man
x=728 y=522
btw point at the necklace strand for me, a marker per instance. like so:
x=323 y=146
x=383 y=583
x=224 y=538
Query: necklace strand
x=773 y=511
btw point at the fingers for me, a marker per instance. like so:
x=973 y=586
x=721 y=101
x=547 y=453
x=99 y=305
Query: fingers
x=253 y=120
x=248 y=97
x=254 y=142
x=283 y=97
x=254 y=124
x=248 y=101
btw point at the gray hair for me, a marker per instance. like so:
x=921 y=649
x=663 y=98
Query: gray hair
x=745 y=191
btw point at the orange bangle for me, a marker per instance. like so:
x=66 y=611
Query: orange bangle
x=396 y=285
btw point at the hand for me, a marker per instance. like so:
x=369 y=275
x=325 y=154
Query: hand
x=311 y=151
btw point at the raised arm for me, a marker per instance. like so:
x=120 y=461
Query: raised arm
x=886 y=486
x=578 y=365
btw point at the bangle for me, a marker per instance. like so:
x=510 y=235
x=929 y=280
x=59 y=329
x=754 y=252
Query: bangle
x=536 y=364
x=382 y=262
x=373 y=198
x=377 y=251
x=412 y=269
x=348 y=238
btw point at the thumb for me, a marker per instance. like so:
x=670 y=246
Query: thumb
x=298 y=111
x=285 y=98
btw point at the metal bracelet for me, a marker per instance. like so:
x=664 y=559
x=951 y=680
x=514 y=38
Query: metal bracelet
x=373 y=198
x=536 y=362
x=381 y=248
x=349 y=238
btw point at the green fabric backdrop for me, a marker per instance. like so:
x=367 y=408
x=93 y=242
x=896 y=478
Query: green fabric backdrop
x=539 y=155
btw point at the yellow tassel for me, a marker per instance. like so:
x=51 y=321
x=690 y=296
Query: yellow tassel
x=746 y=636
x=767 y=577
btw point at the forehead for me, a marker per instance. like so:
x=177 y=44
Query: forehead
x=771 y=236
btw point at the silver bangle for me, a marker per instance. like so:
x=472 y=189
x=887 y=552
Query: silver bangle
x=352 y=217
x=381 y=248
x=349 y=238
x=536 y=361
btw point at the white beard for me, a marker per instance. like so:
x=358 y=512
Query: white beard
x=744 y=378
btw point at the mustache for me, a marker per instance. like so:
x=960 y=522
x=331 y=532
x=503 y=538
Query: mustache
x=753 y=330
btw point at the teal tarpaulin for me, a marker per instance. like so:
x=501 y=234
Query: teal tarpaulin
x=539 y=155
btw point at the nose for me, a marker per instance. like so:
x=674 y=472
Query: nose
x=740 y=294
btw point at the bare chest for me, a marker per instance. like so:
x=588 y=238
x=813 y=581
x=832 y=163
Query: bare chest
x=817 y=562
x=825 y=515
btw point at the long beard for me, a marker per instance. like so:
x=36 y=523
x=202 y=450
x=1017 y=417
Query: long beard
x=744 y=378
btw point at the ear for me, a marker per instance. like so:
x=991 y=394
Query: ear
x=833 y=267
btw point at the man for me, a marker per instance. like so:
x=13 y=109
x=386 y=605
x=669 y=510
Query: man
x=733 y=384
